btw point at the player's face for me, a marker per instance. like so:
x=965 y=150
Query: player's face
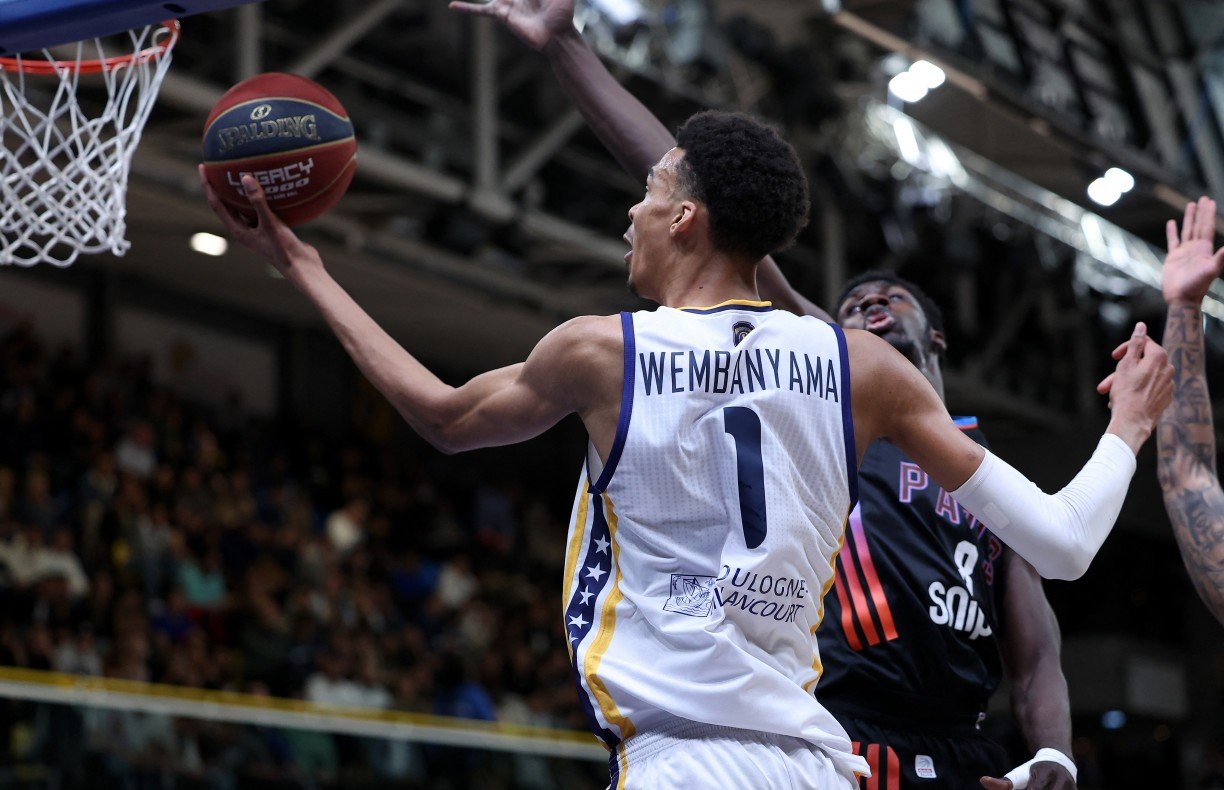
x=651 y=221
x=891 y=312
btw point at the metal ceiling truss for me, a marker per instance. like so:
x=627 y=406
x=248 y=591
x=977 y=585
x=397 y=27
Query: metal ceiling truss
x=461 y=168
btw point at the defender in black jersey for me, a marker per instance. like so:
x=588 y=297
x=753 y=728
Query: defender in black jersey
x=926 y=600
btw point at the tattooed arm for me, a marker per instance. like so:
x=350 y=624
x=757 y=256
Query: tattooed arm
x=1186 y=436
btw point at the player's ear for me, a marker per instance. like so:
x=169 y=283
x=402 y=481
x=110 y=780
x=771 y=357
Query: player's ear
x=938 y=341
x=684 y=218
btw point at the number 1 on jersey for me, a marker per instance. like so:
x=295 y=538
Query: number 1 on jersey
x=745 y=428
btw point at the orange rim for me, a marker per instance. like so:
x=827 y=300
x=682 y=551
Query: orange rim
x=34 y=66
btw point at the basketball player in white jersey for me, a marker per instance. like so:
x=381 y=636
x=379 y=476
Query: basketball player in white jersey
x=724 y=438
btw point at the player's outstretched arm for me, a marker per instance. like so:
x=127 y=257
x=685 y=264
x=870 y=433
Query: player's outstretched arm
x=1059 y=534
x=630 y=131
x=1030 y=642
x=504 y=406
x=1186 y=462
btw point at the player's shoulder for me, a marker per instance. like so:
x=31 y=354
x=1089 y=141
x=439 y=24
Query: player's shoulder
x=860 y=342
x=591 y=324
x=590 y=329
x=584 y=339
x=581 y=358
x=869 y=354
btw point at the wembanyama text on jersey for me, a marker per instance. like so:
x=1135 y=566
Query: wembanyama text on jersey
x=912 y=619
x=699 y=553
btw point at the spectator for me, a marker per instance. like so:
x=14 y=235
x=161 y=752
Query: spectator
x=330 y=685
x=29 y=561
x=346 y=526
x=208 y=556
x=173 y=623
x=459 y=695
x=134 y=454
x=152 y=548
x=456 y=582
x=77 y=653
x=203 y=584
x=39 y=507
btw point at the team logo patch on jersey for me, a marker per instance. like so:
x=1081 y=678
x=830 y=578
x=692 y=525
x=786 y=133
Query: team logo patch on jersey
x=741 y=329
x=924 y=766
x=691 y=595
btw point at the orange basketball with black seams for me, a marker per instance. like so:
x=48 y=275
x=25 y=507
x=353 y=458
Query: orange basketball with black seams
x=292 y=135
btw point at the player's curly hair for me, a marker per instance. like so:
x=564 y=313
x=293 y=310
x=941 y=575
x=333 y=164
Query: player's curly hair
x=934 y=315
x=749 y=179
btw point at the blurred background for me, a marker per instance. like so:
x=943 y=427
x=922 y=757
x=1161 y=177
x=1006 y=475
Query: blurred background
x=197 y=488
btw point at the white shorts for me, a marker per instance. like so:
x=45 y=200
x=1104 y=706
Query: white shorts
x=698 y=756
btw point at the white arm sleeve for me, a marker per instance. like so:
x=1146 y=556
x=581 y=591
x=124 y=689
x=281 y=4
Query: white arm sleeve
x=1058 y=534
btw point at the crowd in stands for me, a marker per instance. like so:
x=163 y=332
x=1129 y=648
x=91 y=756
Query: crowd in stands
x=145 y=537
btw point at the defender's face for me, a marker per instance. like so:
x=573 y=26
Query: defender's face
x=650 y=226
x=891 y=312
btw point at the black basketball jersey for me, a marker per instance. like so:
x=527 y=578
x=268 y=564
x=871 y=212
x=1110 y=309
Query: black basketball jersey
x=910 y=623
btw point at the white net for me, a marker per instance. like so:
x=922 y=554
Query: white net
x=68 y=129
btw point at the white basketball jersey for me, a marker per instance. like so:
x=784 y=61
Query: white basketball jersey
x=699 y=554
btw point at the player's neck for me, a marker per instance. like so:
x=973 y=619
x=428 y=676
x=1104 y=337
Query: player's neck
x=706 y=281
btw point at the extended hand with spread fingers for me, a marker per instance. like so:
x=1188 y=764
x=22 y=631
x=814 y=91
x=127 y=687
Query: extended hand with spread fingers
x=536 y=22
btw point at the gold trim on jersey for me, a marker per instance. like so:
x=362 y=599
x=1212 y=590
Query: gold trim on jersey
x=820 y=610
x=577 y=531
x=603 y=637
x=745 y=302
x=623 y=759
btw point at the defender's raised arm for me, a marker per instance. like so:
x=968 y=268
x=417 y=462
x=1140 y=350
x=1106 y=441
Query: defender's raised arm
x=630 y=131
x=1186 y=437
x=1059 y=534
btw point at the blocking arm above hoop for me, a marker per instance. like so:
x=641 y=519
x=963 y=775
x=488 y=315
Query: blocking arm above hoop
x=637 y=139
x=626 y=127
x=1059 y=533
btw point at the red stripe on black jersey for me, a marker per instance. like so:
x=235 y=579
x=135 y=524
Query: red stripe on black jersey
x=863 y=552
x=858 y=583
x=847 y=616
x=883 y=777
x=859 y=598
x=902 y=642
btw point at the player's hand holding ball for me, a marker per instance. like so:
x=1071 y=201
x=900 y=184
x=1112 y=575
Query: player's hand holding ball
x=292 y=135
x=279 y=150
x=269 y=235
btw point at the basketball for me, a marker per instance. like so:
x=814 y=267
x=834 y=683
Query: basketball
x=292 y=135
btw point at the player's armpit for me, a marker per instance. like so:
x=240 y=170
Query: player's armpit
x=892 y=400
x=576 y=368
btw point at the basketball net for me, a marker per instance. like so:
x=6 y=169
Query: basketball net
x=64 y=156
